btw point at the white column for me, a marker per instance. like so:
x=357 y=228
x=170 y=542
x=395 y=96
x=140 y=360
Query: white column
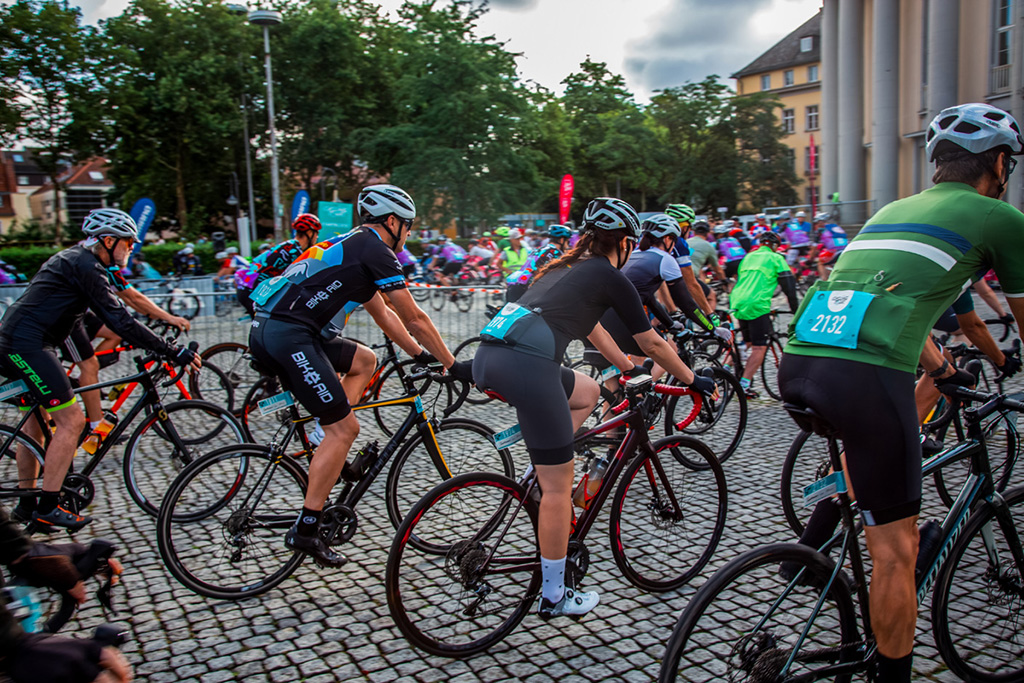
x=851 y=110
x=829 y=99
x=885 y=140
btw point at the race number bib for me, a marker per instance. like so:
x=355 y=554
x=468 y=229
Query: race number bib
x=834 y=318
x=266 y=290
x=503 y=321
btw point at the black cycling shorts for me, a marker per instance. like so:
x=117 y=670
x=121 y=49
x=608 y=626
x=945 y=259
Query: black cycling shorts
x=40 y=658
x=947 y=322
x=732 y=268
x=539 y=390
x=451 y=267
x=757 y=331
x=515 y=292
x=873 y=409
x=43 y=373
x=245 y=298
x=307 y=365
x=78 y=346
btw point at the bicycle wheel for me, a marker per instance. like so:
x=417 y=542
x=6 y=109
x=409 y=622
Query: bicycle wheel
x=770 y=369
x=435 y=396
x=221 y=526
x=154 y=456
x=437 y=298
x=1003 y=441
x=212 y=384
x=978 y=600
x=721 y=422
x=745 y=622
x=185 y=306
x=609 y=398
x=10 y=478
x=420 y=294
x=667 y=517
x=233 y=359
x=447 y=593
x=260 y=428
x=806 y=462
x=465 y=445
x=466 y=351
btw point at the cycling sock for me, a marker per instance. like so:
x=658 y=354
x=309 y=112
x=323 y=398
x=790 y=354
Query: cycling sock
x=894 y=670
x=309 y=520
x=745 y=382
x=822 y=524
x=93 y=424
x=553 y=572
x=47 y=502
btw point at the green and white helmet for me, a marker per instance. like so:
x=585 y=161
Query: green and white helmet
x=681 y=212
x=661 y=225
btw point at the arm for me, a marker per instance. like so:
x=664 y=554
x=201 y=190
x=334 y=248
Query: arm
x=666 y=299
x=391 y=324
x=990 y=298
x=600 y=338
x=695 y=291
x=144 y=305
x=788 y=284
x=976 y=330
x=1017 y=308
x=664 y=355
x=115 y=316
x=419 y=324
x=681 y=296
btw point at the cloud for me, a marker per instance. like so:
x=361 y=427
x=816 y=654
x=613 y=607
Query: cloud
x=692 y=39
x=514 y=5
x=94 y=10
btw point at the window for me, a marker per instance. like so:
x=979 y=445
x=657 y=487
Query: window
x=787 y=77
x=812 y=73
x=766 y=82
x=20 y=158
x=812 y=117
x=96 y=175
x=1002 y=50
x=788 y=121
x=817 y=159
x=791 y=157
x=812 y=196
x=806 y=44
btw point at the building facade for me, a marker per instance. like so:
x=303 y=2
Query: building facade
x=85 y=187
x=791 y=70
x=20 y=177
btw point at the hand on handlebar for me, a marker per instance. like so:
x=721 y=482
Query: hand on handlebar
x=960 y=378
x=462 y=370
x=1011 y=365
x=186 y=356
x=181 y=323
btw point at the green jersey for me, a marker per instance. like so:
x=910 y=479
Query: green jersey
x=702 y=253
x=758 y=277
x=905 y=267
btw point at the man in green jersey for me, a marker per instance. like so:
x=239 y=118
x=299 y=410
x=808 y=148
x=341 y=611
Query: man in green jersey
x=855 y=343
x=704 y=255
x=760 y=272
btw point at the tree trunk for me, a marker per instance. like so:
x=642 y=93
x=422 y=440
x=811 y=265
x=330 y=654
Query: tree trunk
x=179 y=192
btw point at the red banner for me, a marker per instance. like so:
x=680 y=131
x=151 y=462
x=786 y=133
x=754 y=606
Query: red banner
x=565 y=198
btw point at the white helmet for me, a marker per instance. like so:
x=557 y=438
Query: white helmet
x=609 y=213
x=385 y=200
x=103 y=222
x=822 y=216
x=220 y=255
x=801 y=214
x=975 y=127
x=231 y=250
x=661 y=225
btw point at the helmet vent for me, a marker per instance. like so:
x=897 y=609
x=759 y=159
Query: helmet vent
x=966 y=128
x=948 y=121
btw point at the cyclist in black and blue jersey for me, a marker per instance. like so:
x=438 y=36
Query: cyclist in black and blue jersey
x=78 y=278
x=519 y=280
x=519 y=359
x=299 y=317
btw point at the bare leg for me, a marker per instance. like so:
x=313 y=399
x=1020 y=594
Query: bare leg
x=329 y=458
x=893 y=601
x=89 y=373
x=70 y=422
x=555 y=519
x=358 y=376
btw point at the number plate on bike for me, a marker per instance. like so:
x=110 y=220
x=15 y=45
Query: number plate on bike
x=13 y=389
x=609 y=373
x=507 y=437
x=276 y=403
x=824 y=488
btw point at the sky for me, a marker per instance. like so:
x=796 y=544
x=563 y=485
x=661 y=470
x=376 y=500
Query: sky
x=654 y=44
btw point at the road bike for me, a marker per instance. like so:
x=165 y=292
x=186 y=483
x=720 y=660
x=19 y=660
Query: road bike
x=464 y=569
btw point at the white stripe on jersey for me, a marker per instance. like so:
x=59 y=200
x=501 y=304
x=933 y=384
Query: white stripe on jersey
x=933 y=254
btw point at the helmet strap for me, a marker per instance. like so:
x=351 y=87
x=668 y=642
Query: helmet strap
x=110 y=251
x=395 y=238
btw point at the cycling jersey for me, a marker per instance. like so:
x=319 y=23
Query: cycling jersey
x=796 y=236
x=910 y=262
x=453 y=252
x=322 y=288
x=269 y=264
x=681 y=252
x=757 y=228
x=702 y=254
x=730 y=249
x=833 y=238
x=406 y=258
x=758 y=277
x=536 y=260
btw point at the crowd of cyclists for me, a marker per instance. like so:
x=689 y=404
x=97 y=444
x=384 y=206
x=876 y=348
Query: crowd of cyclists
x=621 y=284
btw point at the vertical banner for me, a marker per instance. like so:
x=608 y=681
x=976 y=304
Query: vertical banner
x=300 y=204
x=812 y=165
x=143 y=214
x=565 y=199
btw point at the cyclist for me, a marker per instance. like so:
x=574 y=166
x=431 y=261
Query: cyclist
x=760 y=272
x=760 y=225
x=704 y=255
x=513 y=257
x=300 y=315
x=33 y=327
x=684 y=216
x=231 y=262
x=829 y=241
x=798 y=238
x=519 y=359
x=908 y=263
x=503 y=240
x=519 y=280
x=450 y=260
x=188 y=262
x=730 y=249
x=272 y=261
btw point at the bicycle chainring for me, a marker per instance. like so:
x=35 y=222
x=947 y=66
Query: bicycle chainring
x=577 y=563
x=78 y=492
x=338 y=524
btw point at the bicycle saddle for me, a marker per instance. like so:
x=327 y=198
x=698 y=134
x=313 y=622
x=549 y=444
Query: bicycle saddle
x=808 y=420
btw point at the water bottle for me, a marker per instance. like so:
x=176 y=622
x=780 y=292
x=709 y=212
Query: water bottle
x=93 y=441
x=596 y=476
x=356 y=467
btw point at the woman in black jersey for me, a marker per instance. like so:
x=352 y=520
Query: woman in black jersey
x=518 y=359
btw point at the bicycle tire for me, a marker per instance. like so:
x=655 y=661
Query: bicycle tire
x=152 y=458
x=981 y=602
x=464 y=301
x=466 y=351
x=435 y=396
x=9 y=475
x=437 y=299
x=420 y=294
x=770 y=369
x=183 y=306
x=720 y=424
x=656 y=547
x=950 y=479
x=804 y=465
x=466 y=446
x=233 y=359
x=714 y=638
x=212 y=537
x=261 y=428
x=426 y=581
x=212 y=384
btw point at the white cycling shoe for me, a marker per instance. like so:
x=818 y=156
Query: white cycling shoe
x=573 y=605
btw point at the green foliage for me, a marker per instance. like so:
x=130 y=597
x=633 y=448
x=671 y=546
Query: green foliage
x=27 y=259
x=764 y=171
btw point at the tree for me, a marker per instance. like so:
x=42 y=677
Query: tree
x=46 y=84
x=765 y=172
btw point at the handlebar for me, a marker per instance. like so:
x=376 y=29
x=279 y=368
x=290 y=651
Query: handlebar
x=434 y=376
x=1007 y=323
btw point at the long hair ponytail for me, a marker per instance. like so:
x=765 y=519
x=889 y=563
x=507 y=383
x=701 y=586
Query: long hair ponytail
x=593 y=243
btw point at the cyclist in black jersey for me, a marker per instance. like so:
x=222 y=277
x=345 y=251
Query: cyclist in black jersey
x=295 y=333
x=519 y=359
x=41 y=319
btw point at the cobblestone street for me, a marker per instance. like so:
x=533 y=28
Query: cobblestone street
x=322 y=625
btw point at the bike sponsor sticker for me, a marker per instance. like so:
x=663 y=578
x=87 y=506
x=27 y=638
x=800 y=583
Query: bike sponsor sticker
x=419 y=405
x=824 y=488
x=13 y=389
x=276 y=403
x=609 y=373
x=507 y=437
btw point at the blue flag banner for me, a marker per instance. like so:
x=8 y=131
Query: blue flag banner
x=143 y=214
x=300 y=204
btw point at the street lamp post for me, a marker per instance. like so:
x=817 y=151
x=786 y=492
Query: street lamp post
x=323 y=178
x=250 y=216
x=267 y=18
